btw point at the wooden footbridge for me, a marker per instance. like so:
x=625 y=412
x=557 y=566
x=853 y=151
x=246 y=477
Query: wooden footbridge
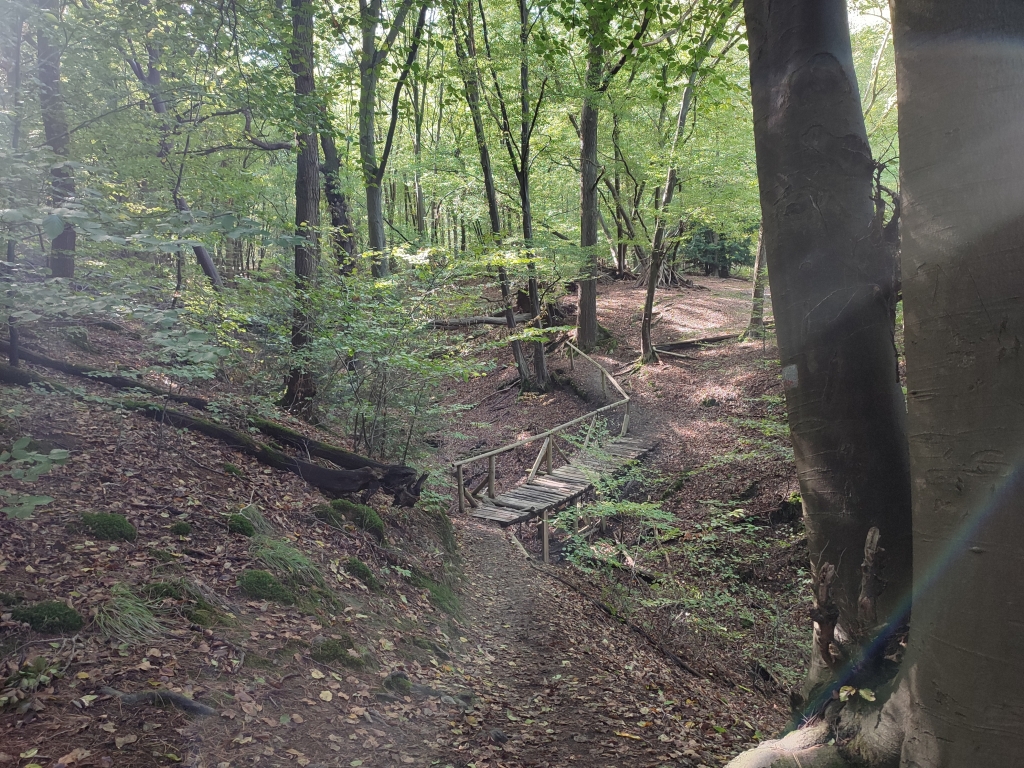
x=546 y=488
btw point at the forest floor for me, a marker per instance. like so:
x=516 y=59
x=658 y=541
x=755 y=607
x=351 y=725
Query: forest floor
x=471 y=657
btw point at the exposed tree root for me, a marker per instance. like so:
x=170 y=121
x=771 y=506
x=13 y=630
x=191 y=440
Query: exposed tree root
x=161 y=698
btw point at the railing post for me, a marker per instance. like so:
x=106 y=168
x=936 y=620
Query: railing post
x=549 y=457
x=461 y=490
x=625 y=421
x=604 y=384
x=544 y=533
x=490 y=476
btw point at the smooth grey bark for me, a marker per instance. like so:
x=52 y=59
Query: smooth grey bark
x=586 y=318
x=961 y=114
x=755 y=328
x=301 y=386
x=833 y=296
x=958 y=699
x=371 y=60
x=55 y=128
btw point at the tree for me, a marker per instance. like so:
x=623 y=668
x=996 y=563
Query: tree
x=833 y=297
x=599 y=74
x=471 y=89
x=55 y=127
x=755 y=328
x=714 y=29
x=956 y=698
x=371 y=61
x=301 y=387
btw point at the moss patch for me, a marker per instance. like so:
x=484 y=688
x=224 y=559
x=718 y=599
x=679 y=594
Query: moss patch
x=231 y=469
x=162 y=555
x=361 y=571
x=108 y=526
x=50 y=616
x=441 y=595
x=239 y=523
x=264 y=586
x=336 y=651
x=360 y=514
x=181 y=529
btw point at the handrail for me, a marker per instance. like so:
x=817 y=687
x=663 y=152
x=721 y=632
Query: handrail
x=547 y=437
x=560 y=427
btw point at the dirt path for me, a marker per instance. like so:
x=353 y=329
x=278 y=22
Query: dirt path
x=561 y=683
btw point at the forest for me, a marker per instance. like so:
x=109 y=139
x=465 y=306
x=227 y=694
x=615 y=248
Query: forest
x=465 y=383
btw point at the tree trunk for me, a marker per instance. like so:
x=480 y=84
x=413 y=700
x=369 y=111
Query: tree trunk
x=755 y=329
x=14 y=83
x=471 y=82
x=301 y=386
x=957 y=701
x=586 y=321
x=343 y=232
x=832 y=293
x=958 y=72
x=55 y=127
x=542 y=379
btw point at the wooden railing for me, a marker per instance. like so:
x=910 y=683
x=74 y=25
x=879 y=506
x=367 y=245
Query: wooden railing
x=548 y=447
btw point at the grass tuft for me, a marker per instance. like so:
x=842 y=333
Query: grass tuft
x=441 y=595
x=284 y=558
x=108 y=526
x=181 y=528
x=49 y=617
x=127 y=617
x=261 y=585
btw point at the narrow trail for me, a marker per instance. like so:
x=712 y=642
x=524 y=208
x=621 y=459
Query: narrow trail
x=561 y=683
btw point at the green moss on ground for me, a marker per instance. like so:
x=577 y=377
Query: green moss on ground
x=360 y=514
x=361 y=571
x=398 y=682
x=108 y=526
x=441 y=595
x=231 y=469
x=264 y=586
x=162 y=555
x=49 y=617
x=181 y=529
x=239 y=523
x=336 y=651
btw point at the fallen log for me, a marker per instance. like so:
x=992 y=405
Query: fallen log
x=403 y=483
x=675 y=346
x=463 y=322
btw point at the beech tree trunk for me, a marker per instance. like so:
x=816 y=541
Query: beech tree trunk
x=586 y=319
x=961 y=108
x=755 y=328
x=14 y=85
x=471 y=84
x=833 y=295
x=55 y=127
x=957 y=701
x=301 y=387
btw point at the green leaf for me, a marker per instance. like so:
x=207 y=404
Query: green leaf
x=53 y=225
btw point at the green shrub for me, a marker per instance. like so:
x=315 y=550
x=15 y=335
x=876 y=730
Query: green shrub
x=181 y=529
x=108 y=526
x=50 y=616
x=261 y=585
x=361 y=571
x=337 y=651
x=239 y=523
x=360 y=514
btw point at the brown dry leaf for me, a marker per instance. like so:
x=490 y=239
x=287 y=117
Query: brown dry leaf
x=120 y=741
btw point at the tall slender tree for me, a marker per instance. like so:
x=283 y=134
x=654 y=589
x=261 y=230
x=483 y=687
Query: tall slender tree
x=58 y=139
x=301 y=386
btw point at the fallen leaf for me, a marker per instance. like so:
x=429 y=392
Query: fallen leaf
x=625 y=735
x=120 y=741
x=316 y=674
x=326 y=695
